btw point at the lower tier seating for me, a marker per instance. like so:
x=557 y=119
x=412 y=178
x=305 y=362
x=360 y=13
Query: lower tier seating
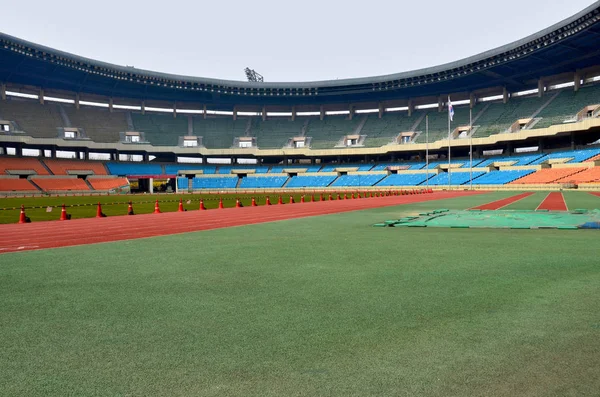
x=252 y=182
x=358 y=180
x=548 y=175
x=502 y=177
x=226 y=182
x=16 y=185
x=456 y=178
x=107 y=183
x=61 y=184
x=311 y=181
x=586 y=176
x=404 y=179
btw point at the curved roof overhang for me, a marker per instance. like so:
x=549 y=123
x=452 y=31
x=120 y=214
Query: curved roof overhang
x=567 y=46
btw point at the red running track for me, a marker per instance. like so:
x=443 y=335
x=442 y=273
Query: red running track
x=496 y=205
x=595 y=194
x=53 y=234
x=553 y=202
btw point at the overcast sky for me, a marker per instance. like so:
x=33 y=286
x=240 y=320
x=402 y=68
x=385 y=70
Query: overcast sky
x=283 y=40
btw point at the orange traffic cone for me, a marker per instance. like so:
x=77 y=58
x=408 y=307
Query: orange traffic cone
x=279 y=201
x=339 y=197
x=321 y=197
x=202 y=207
x=302 y=199
x=180 y=208
x=63 y=213
x=268 y=201
x=353 y=196
x=156 y=208
x=312 y=198
x=254 y=202
x=345 y=197
x=220 y=203
x=99 y=213
x=130 y=209
x=22 y=217
x=330 y=197
x=292 y=200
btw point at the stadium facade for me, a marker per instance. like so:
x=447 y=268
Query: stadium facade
x=539 y=91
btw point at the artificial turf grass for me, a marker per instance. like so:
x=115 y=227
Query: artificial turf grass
x=317 y=306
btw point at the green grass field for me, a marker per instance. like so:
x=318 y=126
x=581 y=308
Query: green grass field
x=321 y=306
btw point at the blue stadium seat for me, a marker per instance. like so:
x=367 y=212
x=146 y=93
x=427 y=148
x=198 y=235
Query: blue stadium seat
x=226 y=182
x=171 y=169
x=501 y=177
x=262 y=182
x=358 y=180
x=404 y=180
x=311 y=181
x=134 y=169
x=457 y=178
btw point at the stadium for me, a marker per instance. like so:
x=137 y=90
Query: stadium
x=417 y=233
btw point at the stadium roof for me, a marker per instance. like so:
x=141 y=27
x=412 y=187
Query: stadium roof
x=564 y=47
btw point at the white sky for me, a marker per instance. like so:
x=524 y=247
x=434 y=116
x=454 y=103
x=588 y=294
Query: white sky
x=283 y=40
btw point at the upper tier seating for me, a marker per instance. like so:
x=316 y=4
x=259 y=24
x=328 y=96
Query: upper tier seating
x=457 y=178
x=219 y=133
x=547 y=175
x=499 y=116
x=567 y=104
x=99 y=124
x=359 y=167
x=311 y=181
x=274 y=133
x=225 y=182
x=161 y=129
x=39 y=121
x=62 y=167
x=501 y=177
x=516 y=160
x=171 y=169
x=404 y=180
x=358 y=180
x=327 y=133
x=107 y=183
x=252 y=182
x=381 y=131
x=16 y=185
x=573 y=156
x=438 y=122
x=226 y=169
x=61 y=184
x=134 y=169
x=277 y=169
x=586 y=176
x=22 y=164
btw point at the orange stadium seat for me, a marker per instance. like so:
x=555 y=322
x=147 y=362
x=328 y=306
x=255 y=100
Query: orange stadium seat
x=589 y=175
x=594 y=158
x=61 y=184
x=22 y=164
x=547 y=175
x=61 y=167
x=16 y=185
x=107 y=183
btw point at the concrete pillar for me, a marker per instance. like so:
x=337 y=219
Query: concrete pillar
x=174 y=111
x=234 y=113
x=77 y=101
x=350 y=112
x=86 y=154
x=322 y=112
x=504 y=95
x=381 y=110
x=572 y=141
x=411 y=108
x=143 y=107
x=110 y=105
x=577 y=80
x=541 y=88
x=151 y=185
x=41 y=96
x=293 y=113
x=440 y=104
x=264 y=113
x=116 y=155
x=3 y=92
x=53 y=153
x=472 y=100
x=540 y=144
x=204 y=112
x=19 y=150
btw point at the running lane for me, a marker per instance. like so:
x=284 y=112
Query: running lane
x=496 y=205
x=553 y=202
x=52 y=234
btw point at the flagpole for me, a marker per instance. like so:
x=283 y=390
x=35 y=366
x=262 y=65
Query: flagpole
x=449 y=166
x=427 y=148
x=471 y=147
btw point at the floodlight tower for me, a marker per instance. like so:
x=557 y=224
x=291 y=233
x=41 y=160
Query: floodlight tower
x=252 y=75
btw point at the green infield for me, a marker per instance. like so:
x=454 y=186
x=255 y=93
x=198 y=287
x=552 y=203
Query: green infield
x=321 y=306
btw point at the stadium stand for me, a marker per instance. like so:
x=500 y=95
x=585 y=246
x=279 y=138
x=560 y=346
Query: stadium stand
x=517 y=160
x=567 y=104
x=457 y=178
x=218 y=133
x=39 y=121
x=502 y=177
x=251 y=182
x=404 y=179
x=107 y=183
x=571 y=156
x=160 y=129
x=8 y=164
x=277 y=169
x=16 y=185
x=587 y=176
x=61 y=184
x=358 y=180
x=498 y=117
x=438 y=122
x=134 y=169
x=275 y=133
x=327 y=133
x=173 y=169
x=99 y=124
x=258 y=169
x=303 y=181
x=547 y=175
x=66 y=167
x=384 y=130
x=225 y=182
x=359 y=167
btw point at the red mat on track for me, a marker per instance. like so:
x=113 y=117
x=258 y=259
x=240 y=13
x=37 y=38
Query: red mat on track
x=595 y=194
x=52 y=234
x=496 y=205
x=553 y=202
